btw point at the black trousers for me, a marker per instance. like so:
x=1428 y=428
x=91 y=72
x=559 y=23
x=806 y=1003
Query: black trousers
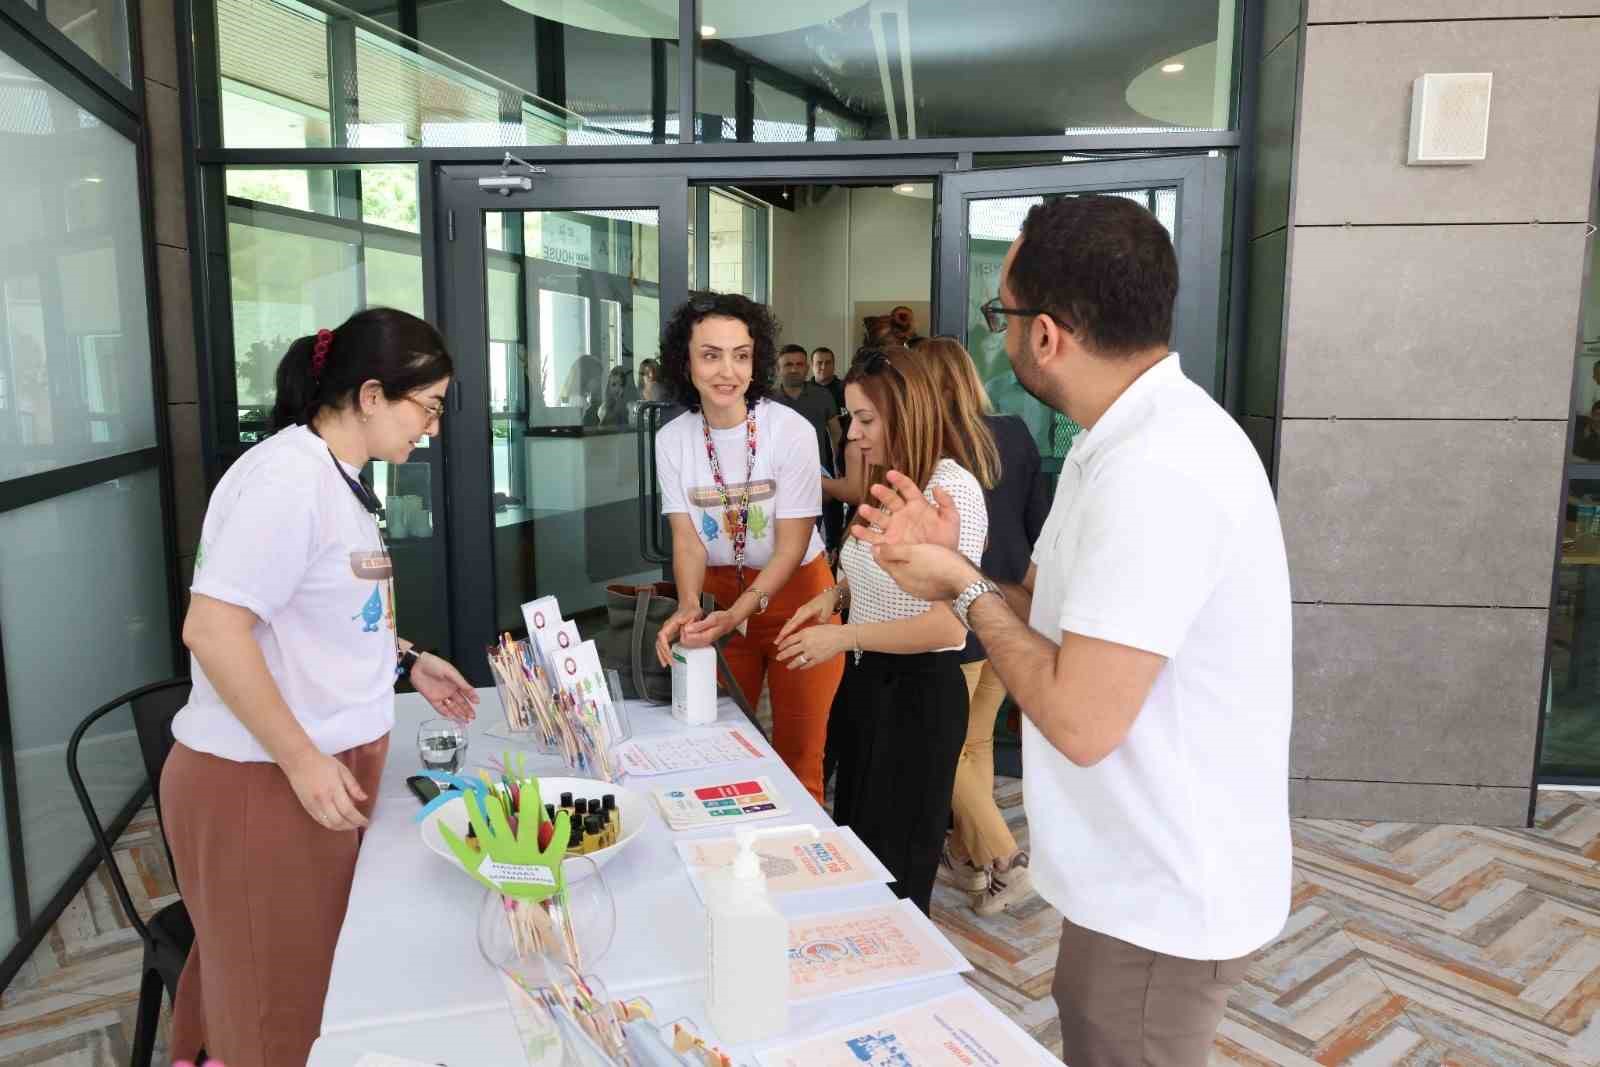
x=899 y=723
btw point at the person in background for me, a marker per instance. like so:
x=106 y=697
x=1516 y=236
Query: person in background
x=1148 y=646
x=822 y=373
x=901 y=713
x=294 y=658
x=741 y=486
x=584 y=387
x=812 y=401
x=982 y=857
x=616 y=409
x=1588 y=443
x=650 y=390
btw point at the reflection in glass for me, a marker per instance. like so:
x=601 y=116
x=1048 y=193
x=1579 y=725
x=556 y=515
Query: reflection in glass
x=778 y=115
x=112 y=598
x=75 y=377
x=99 y=27
x=992 y=224
x=903 y=69
x=571 y=312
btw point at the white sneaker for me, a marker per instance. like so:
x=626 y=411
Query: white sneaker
x=1007 y=887
x=963 y=875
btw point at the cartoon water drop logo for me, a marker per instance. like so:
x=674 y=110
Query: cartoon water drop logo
x=371 y=613
x=708 y=527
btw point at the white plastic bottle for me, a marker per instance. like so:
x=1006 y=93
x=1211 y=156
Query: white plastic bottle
x=747 y=948
x=694 y=685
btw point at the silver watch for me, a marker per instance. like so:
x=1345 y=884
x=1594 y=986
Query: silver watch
x=969 y=596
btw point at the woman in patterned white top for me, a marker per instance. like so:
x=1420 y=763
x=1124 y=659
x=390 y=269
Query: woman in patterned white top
x=901 y=711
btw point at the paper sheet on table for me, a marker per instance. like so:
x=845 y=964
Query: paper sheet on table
x=792 y=864
x=869 y=948
x=687 y=751
x=383 y=1059
x=958 y=1030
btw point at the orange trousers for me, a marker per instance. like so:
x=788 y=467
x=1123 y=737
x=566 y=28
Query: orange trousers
x=801 y=699
x=266 y=886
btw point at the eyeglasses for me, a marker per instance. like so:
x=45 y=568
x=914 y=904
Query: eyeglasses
x=434 y=411
x=994 y=315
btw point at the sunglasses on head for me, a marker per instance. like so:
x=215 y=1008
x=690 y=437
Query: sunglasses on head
x=872 y=361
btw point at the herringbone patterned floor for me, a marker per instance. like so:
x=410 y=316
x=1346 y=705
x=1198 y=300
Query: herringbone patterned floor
x=1424 y=946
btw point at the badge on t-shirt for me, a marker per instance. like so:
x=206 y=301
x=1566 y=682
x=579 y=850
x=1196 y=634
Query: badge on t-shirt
x=716 y=522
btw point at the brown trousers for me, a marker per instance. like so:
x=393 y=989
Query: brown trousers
x=266 y=886
x=1125 y=1006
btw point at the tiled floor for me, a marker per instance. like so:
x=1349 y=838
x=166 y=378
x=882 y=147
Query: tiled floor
x=1423 y=946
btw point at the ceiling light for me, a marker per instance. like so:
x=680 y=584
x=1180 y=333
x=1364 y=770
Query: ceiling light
x=907 y=188
x=1171 y=68
x=708 y=31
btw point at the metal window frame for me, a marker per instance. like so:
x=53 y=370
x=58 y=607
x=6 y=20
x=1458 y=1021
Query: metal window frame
x=28 y=37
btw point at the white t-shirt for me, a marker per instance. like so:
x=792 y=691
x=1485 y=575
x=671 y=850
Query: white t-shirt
x=874 y=597
x=1164 y=536
x=285 y=537
x=785 y=481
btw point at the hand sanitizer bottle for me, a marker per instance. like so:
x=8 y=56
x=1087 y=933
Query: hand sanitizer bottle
x=747 y=947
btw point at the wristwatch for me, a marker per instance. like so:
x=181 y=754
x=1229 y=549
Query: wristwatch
x=408 y=659
x=969 y=596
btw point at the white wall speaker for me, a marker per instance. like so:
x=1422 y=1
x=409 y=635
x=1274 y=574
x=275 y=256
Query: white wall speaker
x=1449 y=119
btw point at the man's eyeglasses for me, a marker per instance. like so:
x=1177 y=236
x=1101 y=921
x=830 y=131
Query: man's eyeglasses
x=434 y=411
x=994 y=315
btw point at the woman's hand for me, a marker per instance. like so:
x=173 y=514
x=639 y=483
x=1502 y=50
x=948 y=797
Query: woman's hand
x=818 y=609
x=669 y=631
x=711 y=629
x=327 y=790
x=442 y=686
x=813 y=646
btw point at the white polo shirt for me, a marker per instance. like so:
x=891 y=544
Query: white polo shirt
x=1164 y=536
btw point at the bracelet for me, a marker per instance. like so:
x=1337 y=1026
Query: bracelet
x=839 y=593
x=855 y=638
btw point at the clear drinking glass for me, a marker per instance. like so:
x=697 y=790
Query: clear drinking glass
x=442 y=744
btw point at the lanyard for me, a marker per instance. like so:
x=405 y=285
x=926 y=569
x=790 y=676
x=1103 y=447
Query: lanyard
x=738 y=518
x=369 y=501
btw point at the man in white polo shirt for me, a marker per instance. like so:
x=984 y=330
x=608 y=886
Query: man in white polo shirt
x=1154 y=666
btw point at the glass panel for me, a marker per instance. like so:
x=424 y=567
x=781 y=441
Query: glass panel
x=99 y=27
x=102 y=550
x=992 y=224
x=779 y=116
x=294 y=77
x=717 y=117
x=906 y=69
x=75 y=377
x=306 y=249
x=570 y=315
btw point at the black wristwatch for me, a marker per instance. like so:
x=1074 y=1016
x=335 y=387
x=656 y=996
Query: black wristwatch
x=408 y=659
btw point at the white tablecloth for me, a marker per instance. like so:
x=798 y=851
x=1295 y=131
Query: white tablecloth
x=407 y=975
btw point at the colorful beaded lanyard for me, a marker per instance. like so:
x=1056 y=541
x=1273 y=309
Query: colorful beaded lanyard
x=738 y=518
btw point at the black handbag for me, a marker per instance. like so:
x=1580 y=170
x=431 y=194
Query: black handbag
x=634 y=617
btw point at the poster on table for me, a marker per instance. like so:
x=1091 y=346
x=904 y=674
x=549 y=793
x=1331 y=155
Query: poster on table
x=869 y=948
x=958 y=1030
x=793 y=864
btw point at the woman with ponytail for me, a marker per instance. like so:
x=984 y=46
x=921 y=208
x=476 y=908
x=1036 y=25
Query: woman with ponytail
x=294 y=661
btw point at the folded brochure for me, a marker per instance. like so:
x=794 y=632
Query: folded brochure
x=719 y=804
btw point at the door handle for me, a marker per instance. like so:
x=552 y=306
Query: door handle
x=650 y=546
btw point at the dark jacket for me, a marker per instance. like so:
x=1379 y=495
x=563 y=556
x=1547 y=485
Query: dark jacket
x=1017 y=505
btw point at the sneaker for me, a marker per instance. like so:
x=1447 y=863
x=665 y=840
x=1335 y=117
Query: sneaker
x=1007 y=887
x=962 y=874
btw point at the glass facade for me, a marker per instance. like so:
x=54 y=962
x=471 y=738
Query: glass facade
x=1571 y=745
x=85 y=591
x=904 y=70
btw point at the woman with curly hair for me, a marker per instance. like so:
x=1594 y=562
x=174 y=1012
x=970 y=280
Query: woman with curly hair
x=741 y=485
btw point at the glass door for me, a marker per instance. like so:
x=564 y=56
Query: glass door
x=552 y=297
x=981 y=213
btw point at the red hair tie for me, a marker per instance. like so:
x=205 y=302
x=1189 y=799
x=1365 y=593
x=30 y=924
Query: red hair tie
x=319 y=354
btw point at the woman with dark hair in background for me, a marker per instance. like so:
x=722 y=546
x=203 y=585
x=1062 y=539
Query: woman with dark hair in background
x=741 y=485
x=650 y=381
x=295 y=658
x=901 y=713
x=617 y=407
x=981 y=857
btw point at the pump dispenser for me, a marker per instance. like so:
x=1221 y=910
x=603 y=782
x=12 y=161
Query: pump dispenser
x=747 y=946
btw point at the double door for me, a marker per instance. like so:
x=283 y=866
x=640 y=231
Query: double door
x=552 y=298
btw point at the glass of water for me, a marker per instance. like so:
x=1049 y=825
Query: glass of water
x=442 y=744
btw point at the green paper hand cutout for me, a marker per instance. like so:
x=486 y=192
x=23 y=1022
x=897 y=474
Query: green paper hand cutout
x=512 y=864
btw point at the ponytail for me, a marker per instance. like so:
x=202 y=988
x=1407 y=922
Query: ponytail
x=327 y=369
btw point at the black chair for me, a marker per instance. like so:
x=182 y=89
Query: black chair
x=169 y=934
